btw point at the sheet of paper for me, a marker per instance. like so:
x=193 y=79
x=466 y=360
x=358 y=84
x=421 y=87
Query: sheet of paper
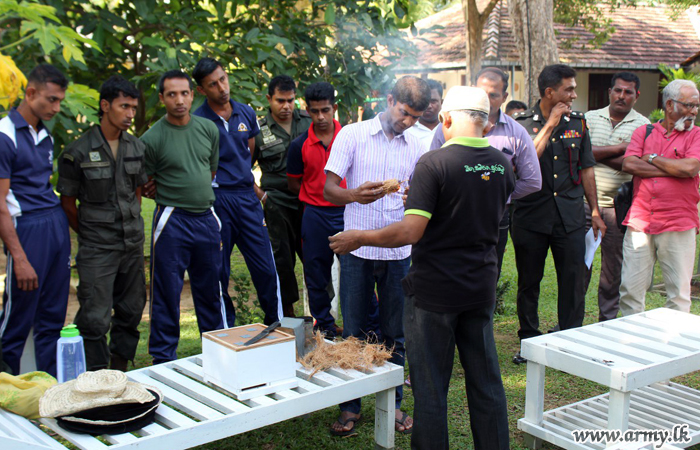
x=592 y=245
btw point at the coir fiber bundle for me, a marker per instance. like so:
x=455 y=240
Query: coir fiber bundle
x=350 y=353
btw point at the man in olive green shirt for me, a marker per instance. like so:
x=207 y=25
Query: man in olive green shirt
x=283 y=211
x=182 y=155
x=104 y=171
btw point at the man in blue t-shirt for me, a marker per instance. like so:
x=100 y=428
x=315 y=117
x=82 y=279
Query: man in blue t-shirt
x=237 y=204
x=33 y=226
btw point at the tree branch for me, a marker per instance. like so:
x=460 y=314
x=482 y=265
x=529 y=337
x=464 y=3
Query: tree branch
x=16 y=43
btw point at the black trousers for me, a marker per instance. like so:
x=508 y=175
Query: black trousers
x=568 y=251
x=431 y=338
x=284 y=227
x=4 y=367
x=502 y=239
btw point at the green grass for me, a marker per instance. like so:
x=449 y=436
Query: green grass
x=311 y=432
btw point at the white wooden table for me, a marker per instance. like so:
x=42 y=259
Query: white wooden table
x=634 y=356
x=194 y=413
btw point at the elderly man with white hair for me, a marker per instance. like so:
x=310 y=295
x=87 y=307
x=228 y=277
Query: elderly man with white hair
x=457 y=198
x=663 y=219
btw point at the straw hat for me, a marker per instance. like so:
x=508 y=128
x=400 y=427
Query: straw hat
x=113 y=419
x=93 y=390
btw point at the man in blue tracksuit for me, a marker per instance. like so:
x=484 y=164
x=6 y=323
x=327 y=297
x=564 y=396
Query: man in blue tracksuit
x=182 y=154
x=237 y=204
x=33 y=226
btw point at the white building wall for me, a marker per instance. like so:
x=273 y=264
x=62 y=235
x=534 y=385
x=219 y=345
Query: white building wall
x=649 y=92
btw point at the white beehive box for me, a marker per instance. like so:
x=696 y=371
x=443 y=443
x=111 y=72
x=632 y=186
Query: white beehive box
x=250 y=371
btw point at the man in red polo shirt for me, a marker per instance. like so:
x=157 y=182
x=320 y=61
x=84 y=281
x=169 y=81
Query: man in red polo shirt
x=663 y=219
x=306 y=158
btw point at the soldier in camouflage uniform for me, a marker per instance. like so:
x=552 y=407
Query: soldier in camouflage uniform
x=283 y=211
x=104 y=171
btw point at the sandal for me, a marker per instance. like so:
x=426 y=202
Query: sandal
x=402 y=422
x=346 y=433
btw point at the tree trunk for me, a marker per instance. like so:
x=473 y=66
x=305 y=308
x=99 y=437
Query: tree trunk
x=533 y=27
x=474 y=22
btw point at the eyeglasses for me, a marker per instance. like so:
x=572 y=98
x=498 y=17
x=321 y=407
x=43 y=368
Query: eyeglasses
x=688 y=105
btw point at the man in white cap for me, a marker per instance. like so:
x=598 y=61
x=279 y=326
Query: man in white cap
x=457 y=198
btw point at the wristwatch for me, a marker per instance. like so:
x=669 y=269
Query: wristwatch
x=651 y=158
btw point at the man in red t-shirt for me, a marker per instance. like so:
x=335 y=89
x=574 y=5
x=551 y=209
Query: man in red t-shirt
x=663 y=219
x=306 y=158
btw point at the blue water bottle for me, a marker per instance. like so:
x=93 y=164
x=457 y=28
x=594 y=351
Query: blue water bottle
x=70 y=354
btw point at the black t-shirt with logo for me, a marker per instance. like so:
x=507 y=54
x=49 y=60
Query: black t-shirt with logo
x=463 y=189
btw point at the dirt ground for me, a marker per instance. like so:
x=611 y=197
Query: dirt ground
x=185 y=297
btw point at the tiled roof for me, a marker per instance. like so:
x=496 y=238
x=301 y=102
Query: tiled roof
x=644 y=37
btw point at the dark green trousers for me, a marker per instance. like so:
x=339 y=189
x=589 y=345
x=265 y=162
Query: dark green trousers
x=4 y=367
x=110 y=280
x=284 y=228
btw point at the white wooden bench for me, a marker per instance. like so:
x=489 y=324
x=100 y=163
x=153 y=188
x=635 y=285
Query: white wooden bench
x=194 y=413
x=634 y=356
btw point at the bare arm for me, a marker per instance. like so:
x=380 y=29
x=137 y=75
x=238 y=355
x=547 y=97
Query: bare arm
x=589 y=190
x=407 y=232
x=148 y=190
x=27 y=279
x=251 y=146
x=679 y=168
x=294 y=184
x=640 y=168
x=258 y=190
x=601 y=153
x=69 y=207
x=367 y=192
x=137 y=193
x=613 y=163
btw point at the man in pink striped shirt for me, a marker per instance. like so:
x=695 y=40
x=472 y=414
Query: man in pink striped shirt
x=366 y=154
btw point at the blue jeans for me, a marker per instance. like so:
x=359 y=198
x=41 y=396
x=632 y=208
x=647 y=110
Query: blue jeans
x=432 y=337
x=358 y=278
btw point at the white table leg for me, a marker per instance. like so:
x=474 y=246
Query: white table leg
x=384 y=416
x=534 y=400
x=618 y=410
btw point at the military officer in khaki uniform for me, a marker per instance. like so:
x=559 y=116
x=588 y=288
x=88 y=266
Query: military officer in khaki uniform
x=283 y=211
x=554 y=217
x=104 y=171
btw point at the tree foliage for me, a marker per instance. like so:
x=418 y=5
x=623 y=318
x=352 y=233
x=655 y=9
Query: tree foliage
x=593 y=15
x=680 y=6
x=33 y=33
x=670 y=74
x=333 y=40
x=476 y=20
